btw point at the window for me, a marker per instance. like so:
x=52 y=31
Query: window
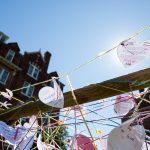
x=3 y=76
x=28 y=91
x=10 y=55
x=33 y=71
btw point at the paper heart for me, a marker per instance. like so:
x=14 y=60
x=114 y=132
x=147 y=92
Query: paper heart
x=80 y=141
x=52 y=96
x=125 y=137
x=123 y=104
x=130 y=53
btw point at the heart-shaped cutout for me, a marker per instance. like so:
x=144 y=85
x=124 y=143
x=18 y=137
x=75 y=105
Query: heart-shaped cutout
x=124 y=103
x=130 y=53
x=52 y=96
x=80 y=141
x=126 y=137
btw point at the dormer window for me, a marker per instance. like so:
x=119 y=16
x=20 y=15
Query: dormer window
x=10 y=55
x=33 y=71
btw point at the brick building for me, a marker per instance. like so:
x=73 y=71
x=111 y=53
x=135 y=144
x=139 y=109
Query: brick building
x=21 y=70
x=18 y=70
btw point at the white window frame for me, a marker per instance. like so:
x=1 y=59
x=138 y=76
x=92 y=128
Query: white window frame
x=1 y=76
x=10 y=52
x=32 y=73
x=28 y=87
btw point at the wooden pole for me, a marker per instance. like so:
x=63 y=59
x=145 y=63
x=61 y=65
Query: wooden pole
x=93 y=92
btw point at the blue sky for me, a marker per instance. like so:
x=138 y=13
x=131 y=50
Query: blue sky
x=74 y=31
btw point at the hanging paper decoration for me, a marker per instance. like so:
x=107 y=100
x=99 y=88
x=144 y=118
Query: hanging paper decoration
x=5 y=104
x=8 y=94
x=11 y=135
x=124 y=103
x=126 y=137
x=27 y=141
x=130 y=53
x=43 y=146
x=20 y=136
x=81 y=142
x=52 y=96
x=26 y=144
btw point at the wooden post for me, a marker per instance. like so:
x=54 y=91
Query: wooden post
x=93 y=92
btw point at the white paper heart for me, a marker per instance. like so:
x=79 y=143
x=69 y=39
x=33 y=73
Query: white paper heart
x=124 y=103
x=126 y=137
x=52 y=96
x=130 y=53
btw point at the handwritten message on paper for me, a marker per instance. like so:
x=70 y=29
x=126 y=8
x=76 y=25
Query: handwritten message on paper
x=126 y=137
x=9 y=133
x=20 y=136
x=124 y=103
x=130 y=53
x=26 y=142
x=80 y=141
x=52 y=96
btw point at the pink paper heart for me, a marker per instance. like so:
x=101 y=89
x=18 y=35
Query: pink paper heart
x=130 y=53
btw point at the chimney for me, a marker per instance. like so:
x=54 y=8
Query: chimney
x=3 y=37
x=47 y=56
